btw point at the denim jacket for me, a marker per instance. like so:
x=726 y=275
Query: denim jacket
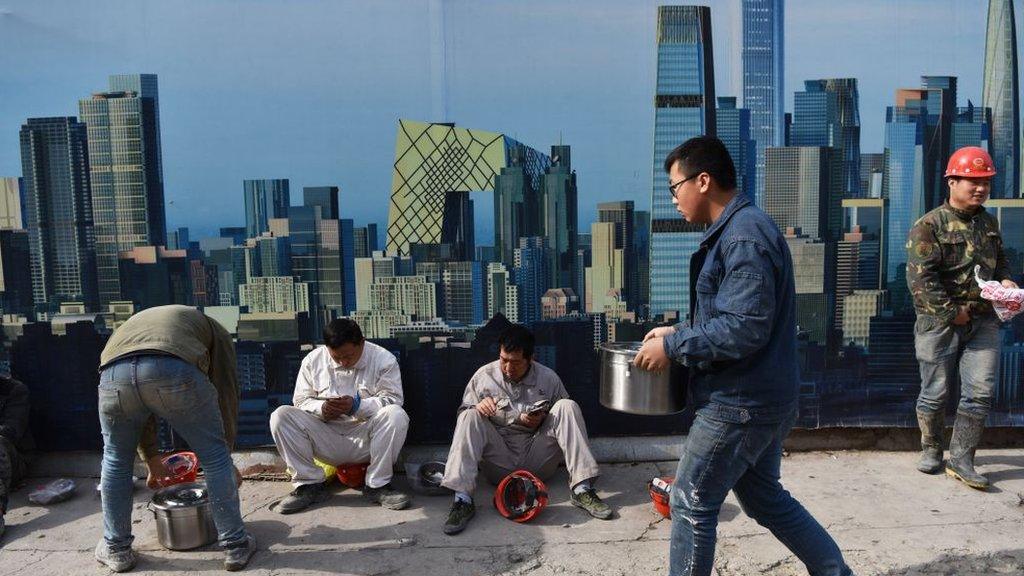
x=740 y=342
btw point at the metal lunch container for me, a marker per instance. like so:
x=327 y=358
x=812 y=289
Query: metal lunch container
x=626 y=388
x=184 y=519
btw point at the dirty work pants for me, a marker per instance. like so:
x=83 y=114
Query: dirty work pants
x=719 y=456
x=945 y=352
x=477 y=441
x=130 y=390
x=301 y=436
x=12 y=467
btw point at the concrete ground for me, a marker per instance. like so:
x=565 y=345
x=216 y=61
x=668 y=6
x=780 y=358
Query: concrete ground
x=888 y=520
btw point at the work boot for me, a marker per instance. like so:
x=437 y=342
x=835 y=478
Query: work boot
x=387 y=497
x=966 y=436
x=236 y=557
x=459 y=516
x=302 y=497
x=931 y=424
x=592 y=503
x=120 y=561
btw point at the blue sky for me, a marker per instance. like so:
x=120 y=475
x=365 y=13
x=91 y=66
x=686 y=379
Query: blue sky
x=312 y=90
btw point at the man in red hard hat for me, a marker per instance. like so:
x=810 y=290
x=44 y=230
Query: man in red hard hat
x=956 y=331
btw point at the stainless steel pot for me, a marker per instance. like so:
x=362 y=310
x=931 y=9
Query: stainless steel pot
x=626 y=388
x=184 y=519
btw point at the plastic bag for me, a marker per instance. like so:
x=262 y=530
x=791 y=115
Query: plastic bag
x=57 y=491
x=1007 y=302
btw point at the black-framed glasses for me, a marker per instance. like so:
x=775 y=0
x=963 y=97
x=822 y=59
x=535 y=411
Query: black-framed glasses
x=674 y=187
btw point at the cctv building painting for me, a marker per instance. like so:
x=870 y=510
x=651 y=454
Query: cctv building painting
x=438 y=170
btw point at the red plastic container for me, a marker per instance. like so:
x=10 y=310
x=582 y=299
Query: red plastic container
x=181 y=467
x=352 y=475
x=660 y=496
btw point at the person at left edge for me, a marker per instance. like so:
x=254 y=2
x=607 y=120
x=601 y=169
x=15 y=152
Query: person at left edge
x=347 y=408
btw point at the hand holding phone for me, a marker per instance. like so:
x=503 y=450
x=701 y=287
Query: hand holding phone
x=539 y=407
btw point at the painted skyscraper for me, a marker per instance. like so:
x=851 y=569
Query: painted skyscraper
x=264 y=199
x=558 y=217
x=55 y=163
x=125 y=172
x=827 y=113
x=1000 y=93
x=918 y=132
x=733 y=128
x=763 y=22
x=684 y=107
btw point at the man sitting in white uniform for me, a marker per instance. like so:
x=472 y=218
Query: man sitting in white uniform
x=347 y=409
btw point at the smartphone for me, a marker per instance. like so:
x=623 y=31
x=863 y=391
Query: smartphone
x=539 y=407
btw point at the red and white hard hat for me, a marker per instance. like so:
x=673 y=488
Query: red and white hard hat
x=520 y=496
x=970 y=162
x=660 y=490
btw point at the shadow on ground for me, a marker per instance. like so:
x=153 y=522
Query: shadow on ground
x=995 y=564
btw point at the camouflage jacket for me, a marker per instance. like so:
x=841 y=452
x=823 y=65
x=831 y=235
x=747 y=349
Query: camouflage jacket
x=943 y=247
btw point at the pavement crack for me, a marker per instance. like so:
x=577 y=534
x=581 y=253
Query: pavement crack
x=21 y=569
x=650 y=526
x=265 y=504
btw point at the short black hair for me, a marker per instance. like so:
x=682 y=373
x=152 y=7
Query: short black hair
x=342 y=331
x=704 y=154
x=517 y=338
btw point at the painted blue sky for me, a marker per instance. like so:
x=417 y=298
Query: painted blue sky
x=312 y=90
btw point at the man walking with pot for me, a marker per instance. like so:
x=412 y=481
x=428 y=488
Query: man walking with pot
x=740 y=347
x=956 y=332
x=161 y=362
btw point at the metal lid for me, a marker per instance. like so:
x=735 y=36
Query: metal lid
x=187 y=495
x=630 y=348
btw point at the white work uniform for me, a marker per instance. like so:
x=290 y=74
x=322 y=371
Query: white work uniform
x=375 y=433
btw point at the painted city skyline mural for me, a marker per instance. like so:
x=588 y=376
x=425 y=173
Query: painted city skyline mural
x=541 y=205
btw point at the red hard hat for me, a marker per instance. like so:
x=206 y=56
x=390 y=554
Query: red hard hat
x=660 y=490
x=352 y=475
x=181 y=467
x=970 y=162
x=520 y=496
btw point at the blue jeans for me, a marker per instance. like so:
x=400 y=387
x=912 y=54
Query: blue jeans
x=130 y=390
x=719 y=456
x=946 y=352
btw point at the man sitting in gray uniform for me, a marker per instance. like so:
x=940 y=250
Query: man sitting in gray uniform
x=516 y=414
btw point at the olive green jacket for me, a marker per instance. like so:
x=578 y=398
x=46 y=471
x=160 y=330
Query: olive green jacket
x=194 y=337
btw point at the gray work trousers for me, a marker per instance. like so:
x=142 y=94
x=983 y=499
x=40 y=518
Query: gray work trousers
x=946 y=352
x=477 y=442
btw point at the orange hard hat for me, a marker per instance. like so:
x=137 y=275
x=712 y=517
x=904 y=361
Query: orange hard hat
x=352 y=475
x=520 y=496
x=970 y=162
